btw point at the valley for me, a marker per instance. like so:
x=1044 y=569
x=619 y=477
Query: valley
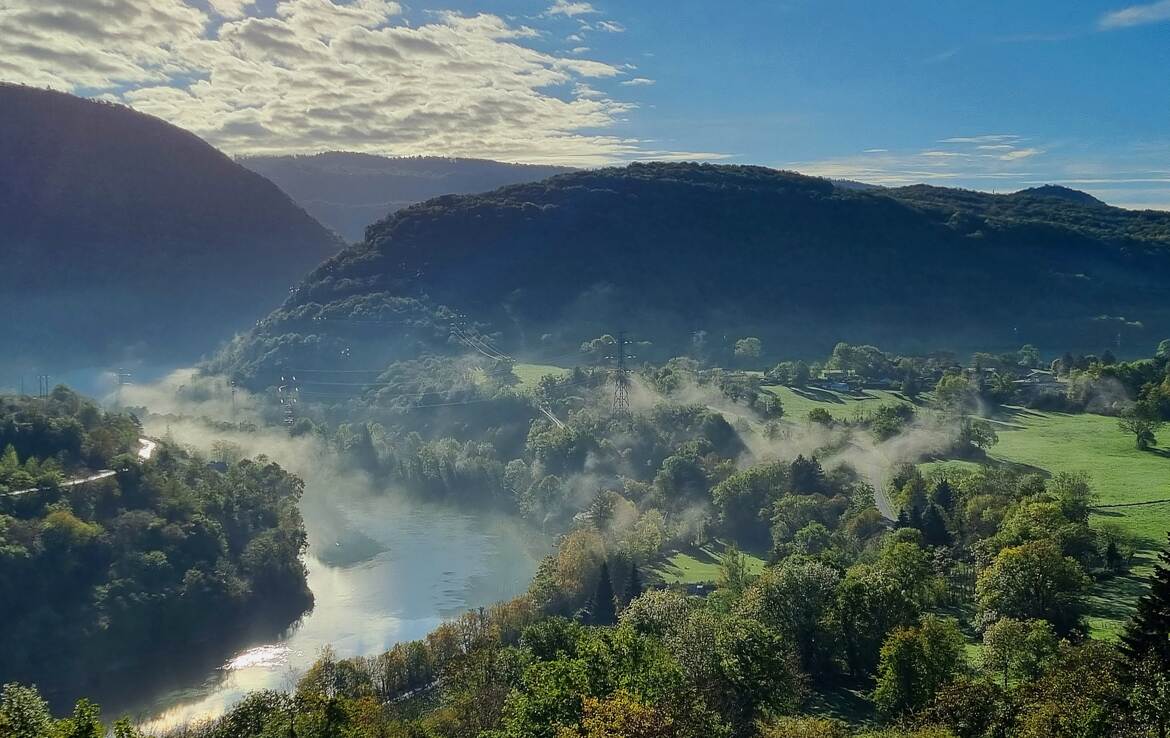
x=583 y=370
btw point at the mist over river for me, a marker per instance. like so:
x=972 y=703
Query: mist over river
x=383 y=568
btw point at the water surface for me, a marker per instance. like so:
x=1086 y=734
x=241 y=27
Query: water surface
x=382 y=570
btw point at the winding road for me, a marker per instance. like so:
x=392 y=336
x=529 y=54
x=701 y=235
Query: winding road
x=146 y=448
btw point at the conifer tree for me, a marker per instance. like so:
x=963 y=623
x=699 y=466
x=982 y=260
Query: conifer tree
x=934 y=527
x=633 y=585
x=944 y=495
x=603 y=609
x=1147 y=636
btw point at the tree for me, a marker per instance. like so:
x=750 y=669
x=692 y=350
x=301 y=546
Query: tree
x=955 y=394
x=603 y=608
x=911 y=388
x=1033 y=581
x=1018 y=648
x=916 y=663
x=737 y=666
x=800 y=374
x=870 y=603
x=820 y=416
x=1029 y=356
x=621 y=714
x=733 y=573
x=972 y=708
x=907 y=563
x=796 y=599
x=934 y=527
x=1079 y=695
x=1147 y=635
x=943 y=495
x=747 y=349
x=23 y=712
x=1075 y=494
x=1163 y=351
x=633 y=585
x=1148 y=700
x=85 y=722
x=1142 y=425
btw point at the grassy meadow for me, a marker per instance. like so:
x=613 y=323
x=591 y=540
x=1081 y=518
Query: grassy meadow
x=842 y=406
x=698 y=565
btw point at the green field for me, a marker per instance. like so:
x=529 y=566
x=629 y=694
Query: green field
x=1121 y=474
x=531 y=374
x=528 y=374
x=842 y=406
x=698 y=565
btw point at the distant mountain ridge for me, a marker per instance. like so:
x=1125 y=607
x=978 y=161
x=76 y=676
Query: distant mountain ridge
x=1059 y=192
x=120 y=230
x=349 y=191
x=672 y=251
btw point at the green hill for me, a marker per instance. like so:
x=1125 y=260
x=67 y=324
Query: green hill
x=124 y=234
x=666 y=250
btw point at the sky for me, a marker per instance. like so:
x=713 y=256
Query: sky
x=987 y=95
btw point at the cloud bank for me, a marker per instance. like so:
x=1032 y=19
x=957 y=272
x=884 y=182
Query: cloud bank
x=313 y=75
x=1136 y=15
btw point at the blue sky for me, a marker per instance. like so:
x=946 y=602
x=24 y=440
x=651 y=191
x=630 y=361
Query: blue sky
x=991 y=95
x=816 y=85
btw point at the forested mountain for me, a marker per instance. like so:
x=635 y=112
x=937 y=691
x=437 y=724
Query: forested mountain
x=667 y=251
x=166 y=555
x=348 y=191
x=119 y=230
x=1049 y=205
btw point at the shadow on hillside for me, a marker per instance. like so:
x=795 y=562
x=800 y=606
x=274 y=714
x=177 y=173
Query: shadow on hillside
x=847 y=703
x=1115 y=598
x=1017 y=466
x=817 y=395
x=1015 y=411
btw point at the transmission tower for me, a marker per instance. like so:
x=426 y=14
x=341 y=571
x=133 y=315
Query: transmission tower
x=124 y=378
x=289 y=392
x=621 y=379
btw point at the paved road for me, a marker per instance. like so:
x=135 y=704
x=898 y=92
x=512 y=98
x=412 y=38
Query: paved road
x=145 y=452
x=147 y=448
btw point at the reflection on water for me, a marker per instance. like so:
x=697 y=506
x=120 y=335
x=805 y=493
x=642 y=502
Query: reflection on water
x=382 y=571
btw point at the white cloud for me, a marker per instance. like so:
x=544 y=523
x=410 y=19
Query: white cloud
x=638 y=82
x=1136 y=15
x=965 y=159
x=230 y=8
x=985 y=139
x=1020 y=154
x=312 y=75
x=1133 y=176
x=571 y=9
x=610 y=26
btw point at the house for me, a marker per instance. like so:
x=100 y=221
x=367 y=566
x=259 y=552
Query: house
x=1039 y=382
x=837 y=380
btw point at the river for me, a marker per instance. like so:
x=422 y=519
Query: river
x=382 y=570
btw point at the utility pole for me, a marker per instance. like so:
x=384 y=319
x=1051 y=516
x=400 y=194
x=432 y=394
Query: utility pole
x=233 y=386
x=43 y=386
x=621 y=380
